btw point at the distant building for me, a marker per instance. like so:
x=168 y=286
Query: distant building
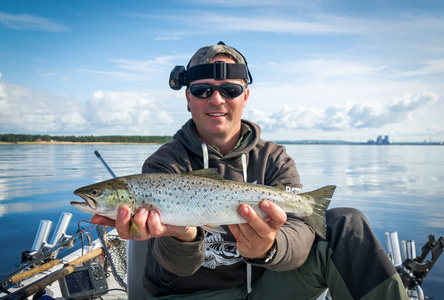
x=380 y=141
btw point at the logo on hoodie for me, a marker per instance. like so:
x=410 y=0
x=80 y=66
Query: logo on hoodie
x=219 y=252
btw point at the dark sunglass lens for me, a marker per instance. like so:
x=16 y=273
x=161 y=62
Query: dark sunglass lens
x=201 y=91
x=231 y=90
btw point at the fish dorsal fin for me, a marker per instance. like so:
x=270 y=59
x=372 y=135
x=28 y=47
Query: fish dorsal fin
x=280 y=187
x=207 y=173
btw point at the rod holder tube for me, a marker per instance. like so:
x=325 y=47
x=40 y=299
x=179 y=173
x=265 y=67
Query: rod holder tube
x=42 y=234
x=393 y=247
x=408 y=249
x=60 y=230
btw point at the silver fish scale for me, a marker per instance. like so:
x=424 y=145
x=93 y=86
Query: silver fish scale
x=195 y=201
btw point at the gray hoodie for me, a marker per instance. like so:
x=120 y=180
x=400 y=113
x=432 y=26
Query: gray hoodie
x=212 y=261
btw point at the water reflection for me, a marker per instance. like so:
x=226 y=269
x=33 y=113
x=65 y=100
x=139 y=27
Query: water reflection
x=397 y=187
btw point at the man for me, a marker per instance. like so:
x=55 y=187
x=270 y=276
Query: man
x=261 y=258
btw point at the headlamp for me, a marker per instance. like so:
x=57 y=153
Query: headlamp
x=218 y=70
x=201 y=67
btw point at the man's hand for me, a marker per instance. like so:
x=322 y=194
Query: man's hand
x=148 y=223
x=255 y=238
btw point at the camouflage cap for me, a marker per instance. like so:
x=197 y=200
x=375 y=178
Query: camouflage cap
x=200 y=67
x=206 y=54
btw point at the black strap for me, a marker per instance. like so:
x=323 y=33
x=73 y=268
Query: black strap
x=218 y=70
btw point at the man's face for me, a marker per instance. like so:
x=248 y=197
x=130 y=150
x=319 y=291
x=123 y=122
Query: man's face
x=217 y=116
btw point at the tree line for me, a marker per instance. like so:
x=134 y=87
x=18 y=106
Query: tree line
x=15 y=138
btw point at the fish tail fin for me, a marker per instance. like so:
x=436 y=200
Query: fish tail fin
x=321 y=198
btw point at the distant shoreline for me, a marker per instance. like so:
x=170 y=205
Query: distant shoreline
x=75 y=143
x=313 y=142
x=34 y=139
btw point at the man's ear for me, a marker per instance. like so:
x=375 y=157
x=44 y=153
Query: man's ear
x=246 y=95
x=187 y=95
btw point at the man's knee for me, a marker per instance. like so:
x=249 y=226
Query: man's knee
x=346 y=223
x=345 y=213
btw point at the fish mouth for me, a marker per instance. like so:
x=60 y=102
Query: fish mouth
x=88 y=201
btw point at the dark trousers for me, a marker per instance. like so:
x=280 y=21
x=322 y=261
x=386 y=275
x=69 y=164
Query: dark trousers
x=350 y=262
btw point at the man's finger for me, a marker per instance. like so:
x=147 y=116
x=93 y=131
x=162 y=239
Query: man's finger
x=255 y=222
x=156 y=228
x=277 y=216
x=103 y=221
x=140 y=221
x=123 y=222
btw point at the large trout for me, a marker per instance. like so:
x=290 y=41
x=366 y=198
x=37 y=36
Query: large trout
x=199 y=198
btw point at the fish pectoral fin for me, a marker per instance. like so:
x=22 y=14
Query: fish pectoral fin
x=214 y=229
x=134 y=231
x=207 y=173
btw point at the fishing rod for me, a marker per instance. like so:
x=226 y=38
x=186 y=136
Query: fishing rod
x=41 y=255
x=42 y=283
x=104 y=163
x=113 y=269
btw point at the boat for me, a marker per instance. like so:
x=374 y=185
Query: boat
x=109 y=267
x=96 y=270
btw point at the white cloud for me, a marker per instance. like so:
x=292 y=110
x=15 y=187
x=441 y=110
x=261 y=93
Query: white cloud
x=361 y=116
x=290 y=20
x=145 y=65
x=26 y=111
x=344 y=116
x=117 y=109
x=430 y=67
x=138 y=70
x=170 y=37
x=327 y=69
x=30 y=22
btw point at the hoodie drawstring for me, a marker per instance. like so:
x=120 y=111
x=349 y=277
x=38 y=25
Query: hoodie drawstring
x=249 y=270
x=205 y=156
x=244 y=173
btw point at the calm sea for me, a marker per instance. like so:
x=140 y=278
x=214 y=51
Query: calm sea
x=399 y=188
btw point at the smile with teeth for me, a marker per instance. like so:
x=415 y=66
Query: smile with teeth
x=217 y=114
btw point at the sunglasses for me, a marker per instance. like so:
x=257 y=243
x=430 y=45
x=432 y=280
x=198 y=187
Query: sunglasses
x=206 y=90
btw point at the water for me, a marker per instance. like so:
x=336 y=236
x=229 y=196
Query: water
x=397 y=187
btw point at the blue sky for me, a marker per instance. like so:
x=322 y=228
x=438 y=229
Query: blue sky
x=349 y=70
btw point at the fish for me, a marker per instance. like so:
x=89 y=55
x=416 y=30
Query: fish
x=199 y=198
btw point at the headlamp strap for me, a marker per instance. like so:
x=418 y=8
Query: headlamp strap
x=219 y=70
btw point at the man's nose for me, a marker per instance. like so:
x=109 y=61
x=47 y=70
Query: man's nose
x=217 y=98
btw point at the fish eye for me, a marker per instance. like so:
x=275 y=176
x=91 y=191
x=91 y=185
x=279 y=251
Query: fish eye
x=95 y=192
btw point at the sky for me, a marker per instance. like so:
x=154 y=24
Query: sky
x=325 y=70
